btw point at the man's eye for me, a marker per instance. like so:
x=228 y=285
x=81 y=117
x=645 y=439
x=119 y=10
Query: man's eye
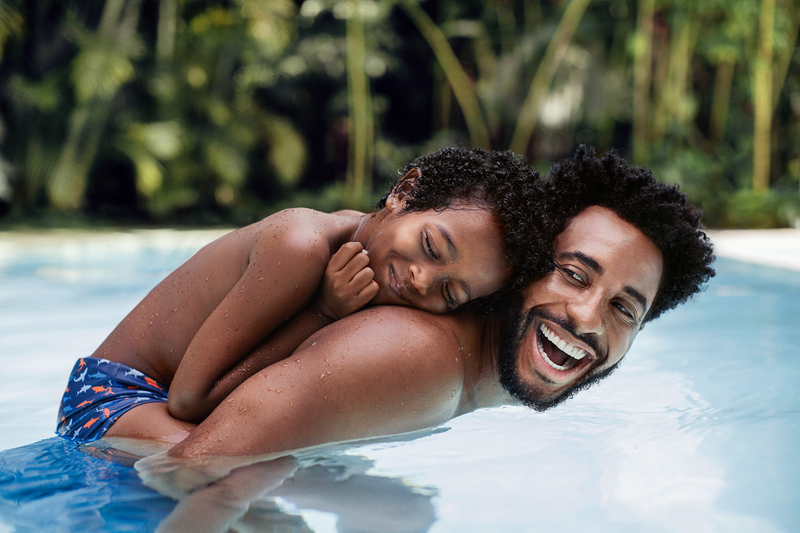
x=571 y=274
x=625 y=311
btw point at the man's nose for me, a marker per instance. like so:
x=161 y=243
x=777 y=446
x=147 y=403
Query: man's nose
x=587 y=314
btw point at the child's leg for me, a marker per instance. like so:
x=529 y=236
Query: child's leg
x=150 y=421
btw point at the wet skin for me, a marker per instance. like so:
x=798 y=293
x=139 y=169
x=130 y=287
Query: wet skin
x=393 y=369
x=224 y=314
x=578 y=321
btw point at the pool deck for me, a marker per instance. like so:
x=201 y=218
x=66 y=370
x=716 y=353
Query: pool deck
x=776 y=247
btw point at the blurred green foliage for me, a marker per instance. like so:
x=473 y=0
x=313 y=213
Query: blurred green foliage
x=206 y=112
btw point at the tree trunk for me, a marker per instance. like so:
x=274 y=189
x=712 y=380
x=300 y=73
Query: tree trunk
x=360 y=140
x=762 y=98
x=641 y=73
x=723 y=83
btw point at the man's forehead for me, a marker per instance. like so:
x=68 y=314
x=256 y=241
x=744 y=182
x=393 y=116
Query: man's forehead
x=605 y=243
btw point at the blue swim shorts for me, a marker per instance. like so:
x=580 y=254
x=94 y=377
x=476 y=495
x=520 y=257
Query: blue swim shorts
x=99 y=391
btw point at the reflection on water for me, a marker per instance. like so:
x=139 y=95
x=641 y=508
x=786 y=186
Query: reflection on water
x=56 y=485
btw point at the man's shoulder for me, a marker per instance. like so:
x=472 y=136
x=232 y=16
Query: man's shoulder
x=416 y=333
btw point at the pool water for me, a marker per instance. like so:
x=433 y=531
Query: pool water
x=697 y=431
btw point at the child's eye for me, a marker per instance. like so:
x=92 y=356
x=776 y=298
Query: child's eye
x=449 y=296
x=428 y=246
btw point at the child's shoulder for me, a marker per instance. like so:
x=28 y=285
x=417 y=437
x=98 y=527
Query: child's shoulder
x=307 y=229
x=304 y=218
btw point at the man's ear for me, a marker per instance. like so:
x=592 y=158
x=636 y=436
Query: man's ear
x=402 y=190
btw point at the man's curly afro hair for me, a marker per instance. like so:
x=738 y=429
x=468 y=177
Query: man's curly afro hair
x=659 y=210
x=500 y=182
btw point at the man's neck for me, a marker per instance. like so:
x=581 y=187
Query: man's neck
x=482 y=386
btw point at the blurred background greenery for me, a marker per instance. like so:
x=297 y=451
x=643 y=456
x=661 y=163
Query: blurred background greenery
x=202 y=112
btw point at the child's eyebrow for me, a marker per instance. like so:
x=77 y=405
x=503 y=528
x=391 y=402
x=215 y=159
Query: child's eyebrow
x=450 y=246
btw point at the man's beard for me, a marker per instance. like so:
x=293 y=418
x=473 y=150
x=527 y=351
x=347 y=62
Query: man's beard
x=515 y=324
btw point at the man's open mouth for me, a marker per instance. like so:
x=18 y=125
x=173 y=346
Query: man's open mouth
x=557 y=352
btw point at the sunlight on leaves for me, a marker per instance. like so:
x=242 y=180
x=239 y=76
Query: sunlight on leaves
x=288 y=152
x=227 y=162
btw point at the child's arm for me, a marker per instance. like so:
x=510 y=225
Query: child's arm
x=268 y=273
x=346 y=286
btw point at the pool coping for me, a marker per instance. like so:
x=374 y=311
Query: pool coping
x=775 y=247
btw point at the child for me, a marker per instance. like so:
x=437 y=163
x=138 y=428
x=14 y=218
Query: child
x=457 y=226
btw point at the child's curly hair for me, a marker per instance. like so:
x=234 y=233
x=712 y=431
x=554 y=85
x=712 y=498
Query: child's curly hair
x=659 y=210
x=500 y=182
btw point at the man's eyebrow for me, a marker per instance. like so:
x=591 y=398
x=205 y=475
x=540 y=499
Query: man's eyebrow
x=450 y=246
x=595 y=266
x=583 y=258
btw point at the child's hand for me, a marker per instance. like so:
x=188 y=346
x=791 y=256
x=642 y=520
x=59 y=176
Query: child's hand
x=347 y=284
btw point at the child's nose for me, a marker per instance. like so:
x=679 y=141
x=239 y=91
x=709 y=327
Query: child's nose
x=421 y=279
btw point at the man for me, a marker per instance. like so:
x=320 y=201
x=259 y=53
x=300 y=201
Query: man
x=628 y=249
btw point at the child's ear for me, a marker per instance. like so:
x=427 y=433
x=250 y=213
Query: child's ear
x=401 y=191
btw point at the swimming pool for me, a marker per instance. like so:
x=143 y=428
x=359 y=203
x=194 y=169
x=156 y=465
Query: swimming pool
x=697 y=430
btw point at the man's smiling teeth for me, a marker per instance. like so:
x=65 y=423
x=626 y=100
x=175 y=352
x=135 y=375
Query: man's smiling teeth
x=564 y=346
